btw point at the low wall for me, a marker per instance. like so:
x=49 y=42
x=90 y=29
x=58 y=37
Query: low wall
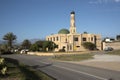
x=58 y=53
x=40 y=53
x=114 y=45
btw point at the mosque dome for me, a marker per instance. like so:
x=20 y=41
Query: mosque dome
x=63 y=31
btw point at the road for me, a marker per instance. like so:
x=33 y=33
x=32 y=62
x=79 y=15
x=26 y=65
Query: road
x=65 y=70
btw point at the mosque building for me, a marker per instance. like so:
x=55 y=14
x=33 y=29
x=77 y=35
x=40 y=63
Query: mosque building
x=71 y=40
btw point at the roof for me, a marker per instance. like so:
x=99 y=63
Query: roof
x=72 y=12
x=63 y=31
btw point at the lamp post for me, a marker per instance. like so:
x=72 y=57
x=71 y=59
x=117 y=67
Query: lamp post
x=53 y=50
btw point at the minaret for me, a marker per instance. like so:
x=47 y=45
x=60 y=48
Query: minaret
x=72 y=23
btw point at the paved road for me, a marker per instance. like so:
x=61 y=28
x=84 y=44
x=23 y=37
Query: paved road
x=64 y=70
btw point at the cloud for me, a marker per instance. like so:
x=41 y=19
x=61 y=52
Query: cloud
x=117 y=0
x=103 y=1
x=93 y=1
x=98 y=1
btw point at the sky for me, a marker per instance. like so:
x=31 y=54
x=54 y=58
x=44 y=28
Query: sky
x=35 y=19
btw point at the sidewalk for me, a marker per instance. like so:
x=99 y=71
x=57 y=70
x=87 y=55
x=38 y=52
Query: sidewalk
x=111 y=62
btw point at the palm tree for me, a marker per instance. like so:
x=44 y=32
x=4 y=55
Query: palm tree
x=26 y=44
x=9 y=37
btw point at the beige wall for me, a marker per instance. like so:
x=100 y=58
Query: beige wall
x=70 y=44
x=114 y=45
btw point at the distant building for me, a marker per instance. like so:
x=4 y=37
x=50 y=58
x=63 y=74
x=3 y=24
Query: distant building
x=109 y=39
x=71 y=40
x=118 y=37
x=111 y=42
x=115 y=45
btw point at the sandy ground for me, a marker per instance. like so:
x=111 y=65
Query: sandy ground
x=111 y=62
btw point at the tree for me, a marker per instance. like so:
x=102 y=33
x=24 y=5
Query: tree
x=43 y=46
x=50 y=45
x=9 y=37
x=26 y=44
x=37 y=46
x=34 y=47
x=89 y=45
x=40 y=43
x=3 y=48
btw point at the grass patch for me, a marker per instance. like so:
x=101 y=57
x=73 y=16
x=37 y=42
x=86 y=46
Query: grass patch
x=17 y=71
x=114 y=52
x=75 y=57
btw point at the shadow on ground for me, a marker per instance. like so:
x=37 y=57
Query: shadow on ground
x=29 y=72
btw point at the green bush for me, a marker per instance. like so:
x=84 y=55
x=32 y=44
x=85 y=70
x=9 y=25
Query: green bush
x=43 y=46
x=3 y=67
x=62 y=50
x=89 y=45
x=34 y=47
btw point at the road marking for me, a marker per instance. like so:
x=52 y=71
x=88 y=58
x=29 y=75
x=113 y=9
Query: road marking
x=77 y=71
x=81 y=72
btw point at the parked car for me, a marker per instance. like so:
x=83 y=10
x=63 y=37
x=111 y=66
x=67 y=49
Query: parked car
x=24 y=51
x=108 y=49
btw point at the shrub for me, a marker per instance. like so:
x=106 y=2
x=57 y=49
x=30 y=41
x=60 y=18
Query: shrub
x=89 y=45
x=62 y=50
x=3 y=67
x=34 y=47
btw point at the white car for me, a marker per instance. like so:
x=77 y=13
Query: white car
x=23 y=51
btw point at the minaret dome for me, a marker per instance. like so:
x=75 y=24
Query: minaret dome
x=72 y=12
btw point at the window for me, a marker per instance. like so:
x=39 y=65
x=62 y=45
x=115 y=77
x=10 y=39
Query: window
x=91 y=38
x=70 y=47
x=77 y=46
x=53 y=38
x=76 y=39
x=66 y=40
x=84 y=39
x=67 y=47
x=57 y=38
